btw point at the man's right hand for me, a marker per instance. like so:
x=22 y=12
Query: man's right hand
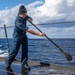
x=41 y=34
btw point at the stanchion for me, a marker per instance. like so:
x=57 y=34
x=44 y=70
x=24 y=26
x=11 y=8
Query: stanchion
x=6 y=39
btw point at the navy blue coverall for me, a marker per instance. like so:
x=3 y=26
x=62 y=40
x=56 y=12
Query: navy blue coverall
x=20 y=38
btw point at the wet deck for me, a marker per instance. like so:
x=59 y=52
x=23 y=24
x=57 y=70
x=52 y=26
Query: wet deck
x=37 y=68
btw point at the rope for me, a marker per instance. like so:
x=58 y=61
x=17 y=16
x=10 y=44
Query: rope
x=55 y=23
x=46 y=24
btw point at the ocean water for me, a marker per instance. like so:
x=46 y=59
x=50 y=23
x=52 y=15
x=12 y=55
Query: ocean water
x=44 y=51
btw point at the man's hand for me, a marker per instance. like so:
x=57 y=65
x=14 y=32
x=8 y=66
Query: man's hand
x=41 y=34
x=30 y=20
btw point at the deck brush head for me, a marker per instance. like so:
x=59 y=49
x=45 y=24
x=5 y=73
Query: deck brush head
x=68 y=56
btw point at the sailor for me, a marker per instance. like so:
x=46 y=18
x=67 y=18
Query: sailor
x=20 y=38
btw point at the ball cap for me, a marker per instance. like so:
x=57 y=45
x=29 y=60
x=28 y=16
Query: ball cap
x=22 y=9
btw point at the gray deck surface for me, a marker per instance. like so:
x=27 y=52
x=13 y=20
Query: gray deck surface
x=36 y=69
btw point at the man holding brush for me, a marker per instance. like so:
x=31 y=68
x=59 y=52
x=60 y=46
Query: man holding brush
x=20 y=38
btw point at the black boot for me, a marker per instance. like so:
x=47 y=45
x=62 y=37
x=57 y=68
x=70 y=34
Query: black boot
x=26 y=67
x=8 y=66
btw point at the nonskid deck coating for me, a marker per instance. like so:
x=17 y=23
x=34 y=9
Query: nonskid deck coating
x=37 y=68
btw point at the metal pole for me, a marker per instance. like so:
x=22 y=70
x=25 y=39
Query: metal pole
x=67 y=55
x=6 y=39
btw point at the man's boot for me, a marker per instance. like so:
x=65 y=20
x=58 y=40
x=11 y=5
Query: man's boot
x=8 y=66
x=26 y=67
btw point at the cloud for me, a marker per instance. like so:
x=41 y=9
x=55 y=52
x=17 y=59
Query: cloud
x=44 y=12
x=70 y=29
x=2 y=33
x=52 y=11
x=54 y=32
x=8 y=16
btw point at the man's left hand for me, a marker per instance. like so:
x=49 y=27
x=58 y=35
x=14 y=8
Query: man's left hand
x=30 y=20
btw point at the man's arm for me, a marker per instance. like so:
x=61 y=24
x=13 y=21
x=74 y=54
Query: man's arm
x=35 y=33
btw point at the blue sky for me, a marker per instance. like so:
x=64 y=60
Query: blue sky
x=12 y=3
x=42 y=11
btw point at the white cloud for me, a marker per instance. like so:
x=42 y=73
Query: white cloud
x=34 y=4
x=52 y=10
x=70 y=2
x=54 y=32
x=48 y=11
x=8 y=16
x=43 y=12
x=2 y=33
x=70 y=30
